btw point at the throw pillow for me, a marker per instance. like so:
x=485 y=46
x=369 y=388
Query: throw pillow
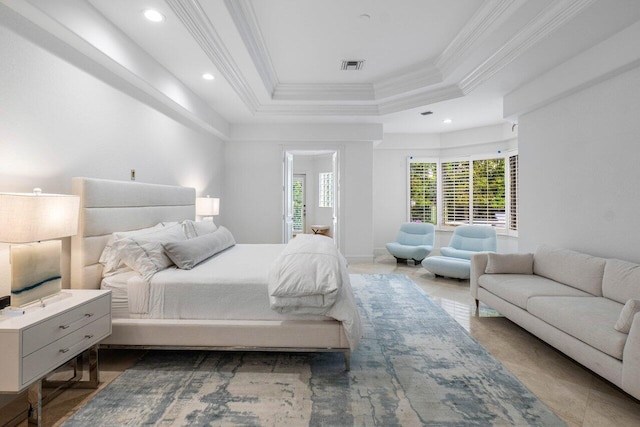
x=509 y=264
x=189 y=253
x=626 y=316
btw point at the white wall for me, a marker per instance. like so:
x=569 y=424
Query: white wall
x=57 y=122
x=579 y=171
x=254 y=192
x=390 y=199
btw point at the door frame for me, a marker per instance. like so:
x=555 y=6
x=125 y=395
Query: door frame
x=307 y=149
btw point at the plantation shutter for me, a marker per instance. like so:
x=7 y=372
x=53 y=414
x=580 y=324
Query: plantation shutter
x=513 y=192
x=455 y=192
x=489 y=192
x=423 y=192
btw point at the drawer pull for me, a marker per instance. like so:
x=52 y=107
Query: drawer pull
x=86 y=316
x=65 y=350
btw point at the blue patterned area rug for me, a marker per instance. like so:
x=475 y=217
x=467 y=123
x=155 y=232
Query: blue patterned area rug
x=415 y=366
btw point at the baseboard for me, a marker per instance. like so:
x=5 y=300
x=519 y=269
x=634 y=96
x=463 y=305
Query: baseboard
x=359 y=259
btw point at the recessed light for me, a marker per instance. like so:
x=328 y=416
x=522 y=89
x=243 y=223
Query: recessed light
x=447 y=121
x=153 y=15
x=208 y=76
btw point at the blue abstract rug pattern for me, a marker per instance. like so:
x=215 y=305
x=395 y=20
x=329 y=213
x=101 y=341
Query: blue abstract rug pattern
x=415 y=366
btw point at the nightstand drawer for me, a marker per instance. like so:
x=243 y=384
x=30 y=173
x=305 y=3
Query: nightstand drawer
x=63 y=324
x=53 y=355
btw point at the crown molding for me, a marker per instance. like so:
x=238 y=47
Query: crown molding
x=416 y=76
x=547 y=21
x=393 y=106
x=420 y=99
x=246 y=22
x=484 y=22
x=324 y=92
x=55 y=29
x=195 y=20
x=318 y=110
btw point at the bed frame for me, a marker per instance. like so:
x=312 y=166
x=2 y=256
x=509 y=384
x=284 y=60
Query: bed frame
x=107 y=206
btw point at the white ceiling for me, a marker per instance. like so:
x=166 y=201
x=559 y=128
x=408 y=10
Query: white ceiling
x=278 y=61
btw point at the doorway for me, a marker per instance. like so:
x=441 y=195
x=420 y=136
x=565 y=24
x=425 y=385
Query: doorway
x=315 y=174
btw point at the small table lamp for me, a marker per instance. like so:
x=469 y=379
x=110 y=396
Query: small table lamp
x=30 y=218
x=207 y=206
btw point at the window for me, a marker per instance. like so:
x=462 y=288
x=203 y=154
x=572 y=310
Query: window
x=488 y=192
x=479 y=190
x=298 y=203
x=455 y=193
x=424 y=191
x=325 y=190
x=513 y=192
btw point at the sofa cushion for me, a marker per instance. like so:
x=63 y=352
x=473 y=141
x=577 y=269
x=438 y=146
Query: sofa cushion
x=575 y=269
x=589 y=319
x=621 y=281
x=509 y=263
x=518 y=288
x=448 y=251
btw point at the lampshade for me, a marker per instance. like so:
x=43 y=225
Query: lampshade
x=31 y=217
x=207 y=206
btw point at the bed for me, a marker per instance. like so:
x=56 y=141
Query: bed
x=160 y=314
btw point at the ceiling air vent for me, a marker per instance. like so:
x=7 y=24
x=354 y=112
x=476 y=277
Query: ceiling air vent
x=351 y=65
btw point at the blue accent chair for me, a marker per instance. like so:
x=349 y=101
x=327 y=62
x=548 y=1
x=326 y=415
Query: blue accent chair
x=414 y=241
x=456 y=258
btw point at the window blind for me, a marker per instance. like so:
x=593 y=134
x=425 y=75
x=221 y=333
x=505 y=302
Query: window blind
x=513 y=192
x=489 y=192
x=423 y=188
x=455 y=192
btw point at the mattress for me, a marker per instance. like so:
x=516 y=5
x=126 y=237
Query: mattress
x=231 y=285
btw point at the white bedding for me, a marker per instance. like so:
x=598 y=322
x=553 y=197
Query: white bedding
x=238 y=274
x=118 y=285
x=310 y=277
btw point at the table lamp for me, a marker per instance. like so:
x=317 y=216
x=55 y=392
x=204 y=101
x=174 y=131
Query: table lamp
x=29 y=221
x=207 y=207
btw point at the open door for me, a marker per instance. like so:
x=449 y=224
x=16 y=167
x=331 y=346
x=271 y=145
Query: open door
x=287 y=186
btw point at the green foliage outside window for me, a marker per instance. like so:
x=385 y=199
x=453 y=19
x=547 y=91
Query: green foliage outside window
x=423 y=186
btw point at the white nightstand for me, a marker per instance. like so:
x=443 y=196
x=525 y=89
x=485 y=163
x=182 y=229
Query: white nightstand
x=44 y=338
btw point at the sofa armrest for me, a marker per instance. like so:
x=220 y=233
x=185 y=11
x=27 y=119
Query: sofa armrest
x=631 y=360
x=478 y=265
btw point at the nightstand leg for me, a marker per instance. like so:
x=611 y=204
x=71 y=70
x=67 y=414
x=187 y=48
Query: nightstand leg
x=94 y=368
x=35 y=404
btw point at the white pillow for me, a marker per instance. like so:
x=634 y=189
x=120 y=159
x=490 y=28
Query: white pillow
x=509 y=264
x=630 y=309
x=145 y=253
x=198 y=228
x=189 y=253
x=110 y=259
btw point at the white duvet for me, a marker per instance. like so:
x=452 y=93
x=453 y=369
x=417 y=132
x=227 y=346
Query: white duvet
x=310 y=277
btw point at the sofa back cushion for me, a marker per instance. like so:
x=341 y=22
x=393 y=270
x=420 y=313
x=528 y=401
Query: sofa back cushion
x=621 y=281
x=578 y=270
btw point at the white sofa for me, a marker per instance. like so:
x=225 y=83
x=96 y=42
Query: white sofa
x=571 y=300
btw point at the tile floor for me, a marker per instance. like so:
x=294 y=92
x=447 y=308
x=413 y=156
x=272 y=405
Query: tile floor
x=576 y=395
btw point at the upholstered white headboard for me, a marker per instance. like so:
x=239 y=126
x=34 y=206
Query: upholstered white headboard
x=107 y=206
